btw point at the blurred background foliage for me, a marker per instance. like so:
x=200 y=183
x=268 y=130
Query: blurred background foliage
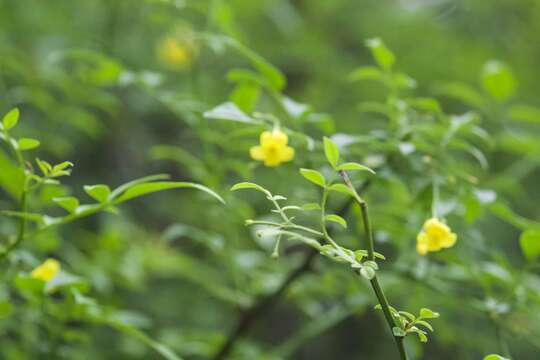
x=120 y=87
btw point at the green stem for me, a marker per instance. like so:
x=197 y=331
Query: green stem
x=379 y=293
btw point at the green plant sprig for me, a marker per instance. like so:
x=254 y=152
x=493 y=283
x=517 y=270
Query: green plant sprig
x=106 y=200
x=362 y=261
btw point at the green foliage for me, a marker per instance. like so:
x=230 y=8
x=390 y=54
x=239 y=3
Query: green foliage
x=436 y=122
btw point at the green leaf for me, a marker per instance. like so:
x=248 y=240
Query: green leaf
x=495 y=357
x=384 y=57
x=341 y=188
x=464 y=93
x=337 y=219
x=10 y=120
x=424 y=323
x=98 y=192
x=497 y=80
x=421 y=334
x=351 y=166
x=397 y=331
x=248 y=185
x=529 y=241
x=311 y=206
x=428 y=314
x=228 y=111
x=148 y=188
x=245 y=96
x=274 y=77
x=44 y=166
x=525 y=113
x=29 y=285
x=313 y=176
x=331 y=151
x=367 y=272
x=27 y=144
x=366 y=73
x=69 y=203
x=132 y=331
x=145 y=179
x=62 y=166
x=5 y=308
x=11 y=176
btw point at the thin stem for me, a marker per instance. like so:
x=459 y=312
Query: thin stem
x=286 y=226
x=435 y=199
x=264 y=303
x=23 y=197
x=503 y=345
x=379 y=293
x=325 y=233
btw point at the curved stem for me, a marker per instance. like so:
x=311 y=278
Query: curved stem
x=379 y=293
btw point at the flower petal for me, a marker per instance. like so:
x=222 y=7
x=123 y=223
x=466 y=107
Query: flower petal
x=280 y=138
x=256 y=153
x=266 y=138
x=286 y=153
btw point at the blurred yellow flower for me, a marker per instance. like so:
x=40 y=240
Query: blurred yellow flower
x=46 y=271
x=434 y=236
x=273 y=149
x=174 y=53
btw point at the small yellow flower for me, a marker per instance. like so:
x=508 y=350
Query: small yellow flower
x=174 y=53
x=434 y=236
x=46 y=271
x=273 y=149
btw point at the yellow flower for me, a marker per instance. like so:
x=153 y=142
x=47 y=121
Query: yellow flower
x=273 y=149
x=46 y=271
x=175 y=54
x=434 y=236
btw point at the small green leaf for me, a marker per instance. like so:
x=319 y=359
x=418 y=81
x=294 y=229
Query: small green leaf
x=366 y=73
x=428 y=314
x=27 y=144
x=148 y=188
x=248 y=185
x=529 y=241
x=367 y=272
x=331 y=151
x=62 y=166
x=311 y=206
x=351 y=166
x=44 y=166
x=421 y=335
x=145 y=179
x=228 y=111
x=371 y=264
x=313 y=176
x=245 y=95
x=341 y=188
x=494 y=357
x=497 y=80
x=337 y=219
x=383 y=56
x=10 y=119
x=425 y=323
x=408 y=315
x=98 y=192
x=397 y=331
x=69 y=203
